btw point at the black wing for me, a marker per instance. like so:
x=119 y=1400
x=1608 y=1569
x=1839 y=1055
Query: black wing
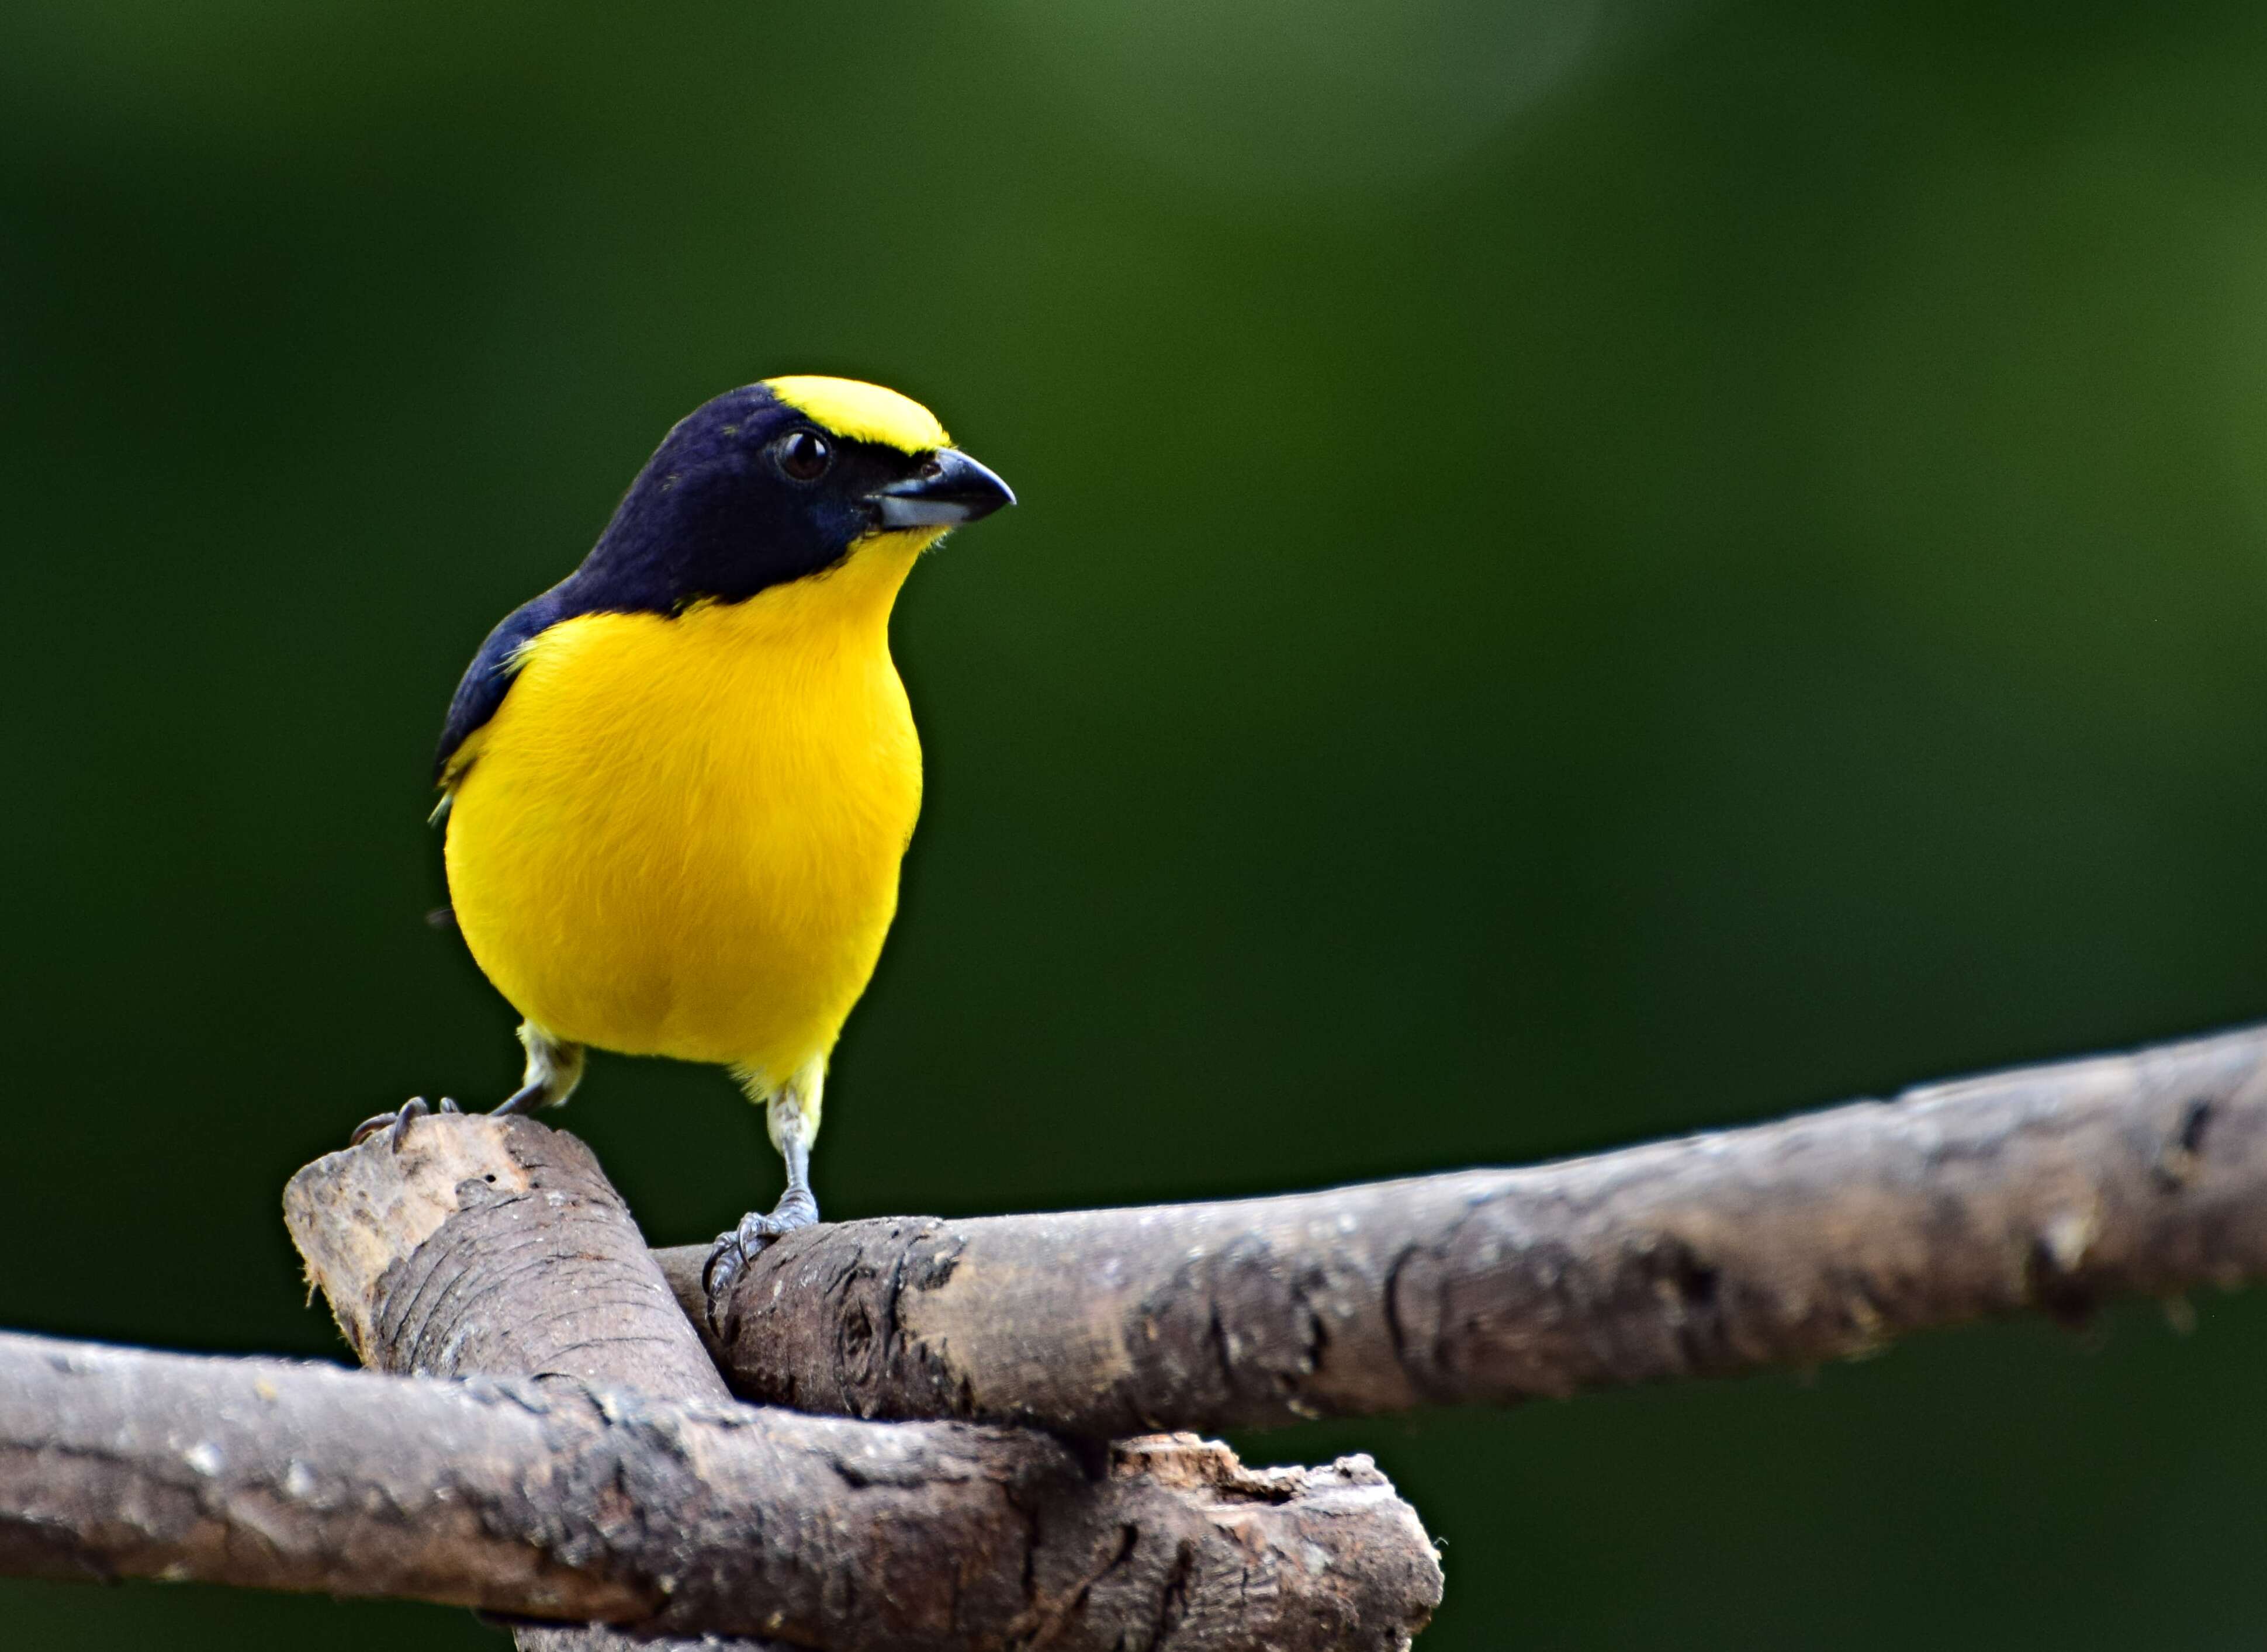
x=488 y=677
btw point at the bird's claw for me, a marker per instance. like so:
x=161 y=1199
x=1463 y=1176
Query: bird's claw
x=396 y=1124
x=736 y=1247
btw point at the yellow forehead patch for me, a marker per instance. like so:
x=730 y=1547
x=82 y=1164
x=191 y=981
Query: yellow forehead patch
x=861 y=411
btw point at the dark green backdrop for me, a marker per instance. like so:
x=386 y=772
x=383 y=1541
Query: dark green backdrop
x=1586 y=569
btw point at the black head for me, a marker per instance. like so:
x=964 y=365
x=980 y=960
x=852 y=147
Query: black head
x=777 y=481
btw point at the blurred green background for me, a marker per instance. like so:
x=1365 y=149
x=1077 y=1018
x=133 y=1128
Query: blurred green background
x=1586 y=569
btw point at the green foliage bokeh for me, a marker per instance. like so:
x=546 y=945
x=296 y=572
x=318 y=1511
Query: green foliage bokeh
x=1586 y=569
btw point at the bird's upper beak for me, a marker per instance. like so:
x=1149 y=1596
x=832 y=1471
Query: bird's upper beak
x=948 y=489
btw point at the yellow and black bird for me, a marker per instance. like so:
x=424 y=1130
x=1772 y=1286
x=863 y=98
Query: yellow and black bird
x=677 y=786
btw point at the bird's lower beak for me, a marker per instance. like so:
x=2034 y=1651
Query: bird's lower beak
x=950 y=488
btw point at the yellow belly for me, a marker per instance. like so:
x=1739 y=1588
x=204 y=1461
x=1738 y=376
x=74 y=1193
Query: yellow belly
x=681 y=836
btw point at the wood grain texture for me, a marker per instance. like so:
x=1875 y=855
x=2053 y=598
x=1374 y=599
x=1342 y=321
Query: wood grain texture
x=527 y=1497
x=815 y=1532
x=482 y=1250
x=1816 y=1239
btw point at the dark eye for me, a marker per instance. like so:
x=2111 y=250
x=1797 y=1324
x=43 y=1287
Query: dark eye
x=805 y=455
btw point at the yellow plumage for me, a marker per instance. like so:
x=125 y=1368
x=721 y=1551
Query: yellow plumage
x=678 y=784
x=681 y=835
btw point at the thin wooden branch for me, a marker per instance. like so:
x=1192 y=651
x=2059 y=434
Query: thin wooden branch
x=1788 y=1244
x=497 y=1245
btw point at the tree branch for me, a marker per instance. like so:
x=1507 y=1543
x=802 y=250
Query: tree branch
x=497 y=1246
x=533 y=1267
x=557 y=1500
x=1788 y=1244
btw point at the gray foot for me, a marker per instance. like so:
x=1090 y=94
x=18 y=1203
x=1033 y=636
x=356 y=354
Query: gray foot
x=736 y=1247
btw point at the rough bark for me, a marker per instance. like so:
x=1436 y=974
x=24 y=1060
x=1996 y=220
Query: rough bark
x=1787 y=1244
x=121 y=1461
x=531 y=1498
x=502 y=1263
x=496 y=1245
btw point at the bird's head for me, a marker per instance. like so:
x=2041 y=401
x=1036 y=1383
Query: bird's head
x=779 y=481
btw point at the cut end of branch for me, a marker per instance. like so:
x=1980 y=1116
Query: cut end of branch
x=354 y=1213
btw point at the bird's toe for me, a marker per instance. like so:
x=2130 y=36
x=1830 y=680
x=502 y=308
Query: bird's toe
x=735 y=1247
x=396 y=1124
x=412 y=1110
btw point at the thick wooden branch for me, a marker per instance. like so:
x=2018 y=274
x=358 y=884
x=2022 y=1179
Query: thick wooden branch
x=496 y=1245
x=1786 y=1243
x=558 y=1500
x=487 y=1262
x=120 y=1462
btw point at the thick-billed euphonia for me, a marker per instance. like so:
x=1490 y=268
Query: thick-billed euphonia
x=676 y=787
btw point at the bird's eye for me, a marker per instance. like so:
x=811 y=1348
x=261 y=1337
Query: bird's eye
x=804 y=455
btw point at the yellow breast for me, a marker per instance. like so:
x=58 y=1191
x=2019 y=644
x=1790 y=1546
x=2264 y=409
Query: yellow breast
x=680 y=836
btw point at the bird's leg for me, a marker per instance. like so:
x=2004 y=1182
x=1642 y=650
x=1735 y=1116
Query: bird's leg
x=555 y=1066
x=792 y=1118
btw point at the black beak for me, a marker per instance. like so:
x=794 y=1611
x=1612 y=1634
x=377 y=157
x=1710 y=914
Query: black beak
x=948 y=489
